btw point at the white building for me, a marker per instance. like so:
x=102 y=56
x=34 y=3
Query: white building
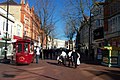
x=17 y=31
x=59 y=43
x=3 y=20
x=55 y=43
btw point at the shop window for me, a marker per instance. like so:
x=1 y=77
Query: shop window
x=105 y=56
x=114 y=60
x=114 y=53
x=114 y=57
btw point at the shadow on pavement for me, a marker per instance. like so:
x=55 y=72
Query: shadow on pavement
x=107 y=74
x=56 y=64
x=8 y=75
x=28 y=71
x=114 y=71
x=87 y=61
x=5 y=61
x=9 y=62
x=53 y=63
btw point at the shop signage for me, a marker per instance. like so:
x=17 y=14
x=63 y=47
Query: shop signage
x=98 y=33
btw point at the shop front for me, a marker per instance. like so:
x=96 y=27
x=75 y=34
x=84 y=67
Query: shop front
x=2 y=48
x=111 y=56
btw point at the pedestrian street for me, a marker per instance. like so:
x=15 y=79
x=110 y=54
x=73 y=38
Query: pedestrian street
x=50 y=70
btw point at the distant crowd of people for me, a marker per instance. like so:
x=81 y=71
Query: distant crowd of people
x=70 y=59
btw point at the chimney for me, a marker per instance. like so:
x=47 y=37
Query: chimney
x=22 y=2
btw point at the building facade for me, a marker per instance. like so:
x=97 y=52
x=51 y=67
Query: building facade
x=26 y=15
x=97 y=30
x=3 y=24
x=59 y=43
x=17 y=30
x=112 y=29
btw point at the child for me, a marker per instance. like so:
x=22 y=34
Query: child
x=59 y=59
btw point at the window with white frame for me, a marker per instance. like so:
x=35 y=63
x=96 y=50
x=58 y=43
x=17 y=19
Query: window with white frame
x=18 y=29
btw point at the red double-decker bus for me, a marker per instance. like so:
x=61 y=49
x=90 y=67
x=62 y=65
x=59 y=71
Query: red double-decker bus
x=24 y=51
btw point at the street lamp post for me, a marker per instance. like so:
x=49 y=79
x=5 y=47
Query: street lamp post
x=5 y=57
x=89 y=45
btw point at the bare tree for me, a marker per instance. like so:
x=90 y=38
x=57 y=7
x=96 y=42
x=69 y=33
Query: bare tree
x=46 y=10
x=77 y=9
x=70 y=31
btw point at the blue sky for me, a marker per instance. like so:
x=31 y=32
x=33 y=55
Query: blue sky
x=60 y=23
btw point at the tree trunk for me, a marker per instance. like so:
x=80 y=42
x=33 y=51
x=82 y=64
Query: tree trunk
x=46 y=42
x=42 y=48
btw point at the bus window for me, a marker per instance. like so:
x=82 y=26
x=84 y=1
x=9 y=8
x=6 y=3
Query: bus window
x=26 y=47
x=19 y=45
x=31 y=48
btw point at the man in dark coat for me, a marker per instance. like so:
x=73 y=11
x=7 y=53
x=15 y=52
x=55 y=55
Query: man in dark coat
x=75 y=56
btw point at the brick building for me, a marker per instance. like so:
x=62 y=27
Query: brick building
x=26 y=15
x=112 y=28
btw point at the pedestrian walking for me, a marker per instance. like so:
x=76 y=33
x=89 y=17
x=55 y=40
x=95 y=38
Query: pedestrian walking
x=37 y=54
x=70 y=58
x=75 y=56
x=59 y=59
x=63 y=56
x=78 y=59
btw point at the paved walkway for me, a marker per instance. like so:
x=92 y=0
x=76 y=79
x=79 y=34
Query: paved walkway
x=50 y=70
